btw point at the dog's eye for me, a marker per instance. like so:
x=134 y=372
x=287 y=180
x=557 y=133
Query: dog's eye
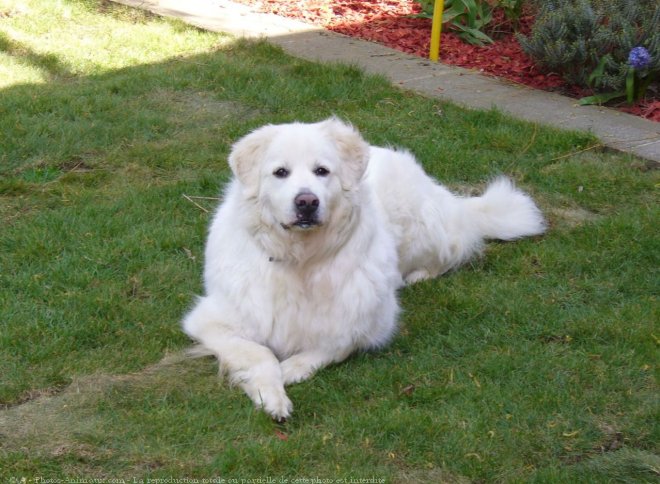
x=321 y=171
x=281 y=173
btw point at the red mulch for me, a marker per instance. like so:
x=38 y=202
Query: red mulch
x=388 y=22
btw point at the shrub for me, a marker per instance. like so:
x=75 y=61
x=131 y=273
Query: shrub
x=589 y=42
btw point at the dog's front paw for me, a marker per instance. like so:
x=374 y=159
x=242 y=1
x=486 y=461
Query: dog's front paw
x=275 y=402
x=267 y=392
x=296 y=369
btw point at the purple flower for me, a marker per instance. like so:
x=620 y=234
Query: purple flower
x=639 y=58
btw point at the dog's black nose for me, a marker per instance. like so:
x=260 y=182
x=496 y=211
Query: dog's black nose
x=306 y=204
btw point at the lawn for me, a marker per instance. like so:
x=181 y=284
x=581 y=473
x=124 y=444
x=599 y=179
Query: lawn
x=535 y=363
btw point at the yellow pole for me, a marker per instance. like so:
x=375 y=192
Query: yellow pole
x=436 y=29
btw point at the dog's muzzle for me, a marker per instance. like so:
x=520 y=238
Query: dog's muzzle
x=307 y=208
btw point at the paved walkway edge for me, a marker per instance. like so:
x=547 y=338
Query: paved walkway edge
x=470 y=89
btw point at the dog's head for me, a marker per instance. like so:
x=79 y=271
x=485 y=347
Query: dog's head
x=299 y=173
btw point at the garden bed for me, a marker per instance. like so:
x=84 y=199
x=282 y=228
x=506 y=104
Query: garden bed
x=392 y=23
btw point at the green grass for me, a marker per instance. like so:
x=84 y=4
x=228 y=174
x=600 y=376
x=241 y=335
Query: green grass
x=535 y=363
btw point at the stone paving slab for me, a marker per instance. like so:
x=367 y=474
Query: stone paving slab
x=465 y=87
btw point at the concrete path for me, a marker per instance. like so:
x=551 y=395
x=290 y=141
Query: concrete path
x=465 y=87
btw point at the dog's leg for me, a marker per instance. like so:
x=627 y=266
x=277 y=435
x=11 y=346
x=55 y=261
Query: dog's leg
x=250 y=365
x=417 y=276
x=257 y=371
x=303 y=365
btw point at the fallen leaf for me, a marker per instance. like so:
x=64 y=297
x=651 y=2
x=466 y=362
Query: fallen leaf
x=408 y=390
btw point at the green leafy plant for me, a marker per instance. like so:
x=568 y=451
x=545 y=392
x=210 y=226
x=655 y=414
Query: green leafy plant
x=513 y=9
x=472 y=20
x=637 y=79
x=468 y=18
x=590 y=42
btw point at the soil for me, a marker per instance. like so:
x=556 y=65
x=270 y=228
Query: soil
x=393 y=23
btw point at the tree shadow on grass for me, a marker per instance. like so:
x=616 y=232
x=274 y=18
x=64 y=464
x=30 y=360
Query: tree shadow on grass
x=61 y=121
x=51 y=65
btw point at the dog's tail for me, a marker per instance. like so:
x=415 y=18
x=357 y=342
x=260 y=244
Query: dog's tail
x=504 y=212
x=198 y=351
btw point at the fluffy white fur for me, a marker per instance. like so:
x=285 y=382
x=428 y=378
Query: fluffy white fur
x=288 y=293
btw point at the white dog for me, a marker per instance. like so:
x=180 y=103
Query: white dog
x=316 y=233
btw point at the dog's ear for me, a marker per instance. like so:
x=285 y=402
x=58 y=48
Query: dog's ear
x=353 y=150
x=247 y=154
